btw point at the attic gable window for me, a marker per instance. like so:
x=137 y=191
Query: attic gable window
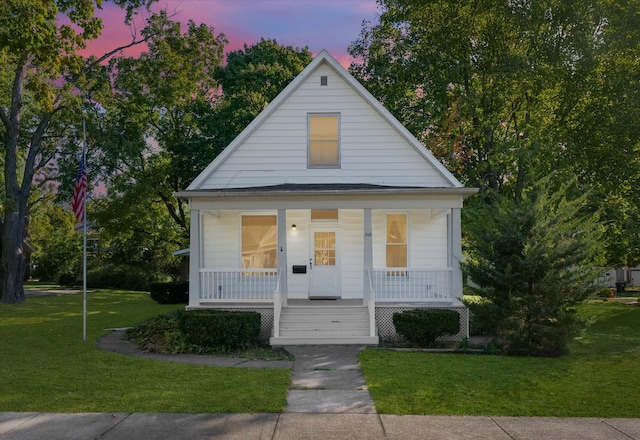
x=324 y=140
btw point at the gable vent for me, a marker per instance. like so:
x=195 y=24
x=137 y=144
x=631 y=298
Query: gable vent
x=323 y=80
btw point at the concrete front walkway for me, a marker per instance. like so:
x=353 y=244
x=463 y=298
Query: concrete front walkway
x=327 y=379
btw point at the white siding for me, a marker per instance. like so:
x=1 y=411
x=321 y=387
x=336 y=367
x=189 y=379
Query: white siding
x=352 y=232
x=371 y=150
x=378 y=237
x=427 y=239
x=220 y=240
x=298 y=252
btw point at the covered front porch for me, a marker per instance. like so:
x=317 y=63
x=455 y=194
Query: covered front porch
x=325 y=270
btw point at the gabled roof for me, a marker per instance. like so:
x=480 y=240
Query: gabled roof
x=323 y=58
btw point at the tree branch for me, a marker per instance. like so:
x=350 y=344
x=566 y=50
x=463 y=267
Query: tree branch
x=172 y=212
x=109 y=54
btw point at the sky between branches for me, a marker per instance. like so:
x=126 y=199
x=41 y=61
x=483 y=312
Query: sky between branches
x=318 y=24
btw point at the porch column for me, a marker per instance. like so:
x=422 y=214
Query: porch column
x=194 y=259
x=455 y=251
x=367 y=260
x=282 y=251
x=367 y=252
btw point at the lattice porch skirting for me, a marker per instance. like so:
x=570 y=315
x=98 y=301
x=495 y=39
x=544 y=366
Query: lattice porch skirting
x=384 y=321
x=387 y=331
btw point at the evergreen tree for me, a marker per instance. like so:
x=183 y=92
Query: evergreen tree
x=532 y=261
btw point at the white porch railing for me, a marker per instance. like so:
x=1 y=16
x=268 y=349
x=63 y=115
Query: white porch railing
x=407 y=284
x=238 y=284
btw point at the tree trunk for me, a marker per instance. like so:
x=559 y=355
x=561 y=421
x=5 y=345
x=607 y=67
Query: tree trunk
x=15 y=199
x=13 y=260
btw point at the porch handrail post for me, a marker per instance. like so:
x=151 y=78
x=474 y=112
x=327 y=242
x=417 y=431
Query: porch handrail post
x=372 y=307
x=280 y=295
x=195 y=262
x=277 y=306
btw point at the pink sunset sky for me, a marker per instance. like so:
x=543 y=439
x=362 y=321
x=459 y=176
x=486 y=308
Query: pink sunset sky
x=318 y=24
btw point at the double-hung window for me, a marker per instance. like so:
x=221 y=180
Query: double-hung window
x=259 y=242
x=396 y=238
x=324 y=140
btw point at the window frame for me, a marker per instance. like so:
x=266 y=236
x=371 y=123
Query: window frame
x=406 y=243
x=337 y=165
x=248 y=214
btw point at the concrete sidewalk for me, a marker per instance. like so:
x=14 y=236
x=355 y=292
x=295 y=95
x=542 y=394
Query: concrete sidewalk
x=121 y=426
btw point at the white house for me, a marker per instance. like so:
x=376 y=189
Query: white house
x=326 y=216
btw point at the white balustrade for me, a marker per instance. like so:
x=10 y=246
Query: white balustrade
x=238 y=284
x=408 y=284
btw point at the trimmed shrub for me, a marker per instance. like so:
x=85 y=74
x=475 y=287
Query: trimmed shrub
x=170 y=293
x=220 y=330
x=423 y=326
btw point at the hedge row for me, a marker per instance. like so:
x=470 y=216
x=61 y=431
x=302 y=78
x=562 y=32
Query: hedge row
x=220 y=330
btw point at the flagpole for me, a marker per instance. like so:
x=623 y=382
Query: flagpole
x=84 y=238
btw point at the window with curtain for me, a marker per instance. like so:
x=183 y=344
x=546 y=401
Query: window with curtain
x=324 y=141
x=259 y=242
x=396 y=240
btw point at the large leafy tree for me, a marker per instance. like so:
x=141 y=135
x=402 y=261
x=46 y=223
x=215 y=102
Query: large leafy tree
x=154 y=112
x=39 y=44
x=176 y=108
x=498 y=89
x=58 y=246
x=136 y=237
x=249 y=80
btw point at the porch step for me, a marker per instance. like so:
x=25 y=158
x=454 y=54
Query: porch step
x=307 y=340
x=324 y=324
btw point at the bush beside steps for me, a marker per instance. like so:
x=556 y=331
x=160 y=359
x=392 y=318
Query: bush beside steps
x=197 y=331
x=422 y=327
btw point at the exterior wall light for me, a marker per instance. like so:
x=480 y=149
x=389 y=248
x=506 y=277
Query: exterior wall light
x=293 y=227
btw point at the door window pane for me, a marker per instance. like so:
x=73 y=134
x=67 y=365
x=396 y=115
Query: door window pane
x=259 y=242
x=324 y=244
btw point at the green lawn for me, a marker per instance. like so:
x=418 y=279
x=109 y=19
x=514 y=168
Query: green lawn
x=47 y=367
x=599 y=378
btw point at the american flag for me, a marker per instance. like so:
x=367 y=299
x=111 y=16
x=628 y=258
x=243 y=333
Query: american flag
x=80 y=192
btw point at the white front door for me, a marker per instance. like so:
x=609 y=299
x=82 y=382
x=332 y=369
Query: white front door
x=324 y=268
